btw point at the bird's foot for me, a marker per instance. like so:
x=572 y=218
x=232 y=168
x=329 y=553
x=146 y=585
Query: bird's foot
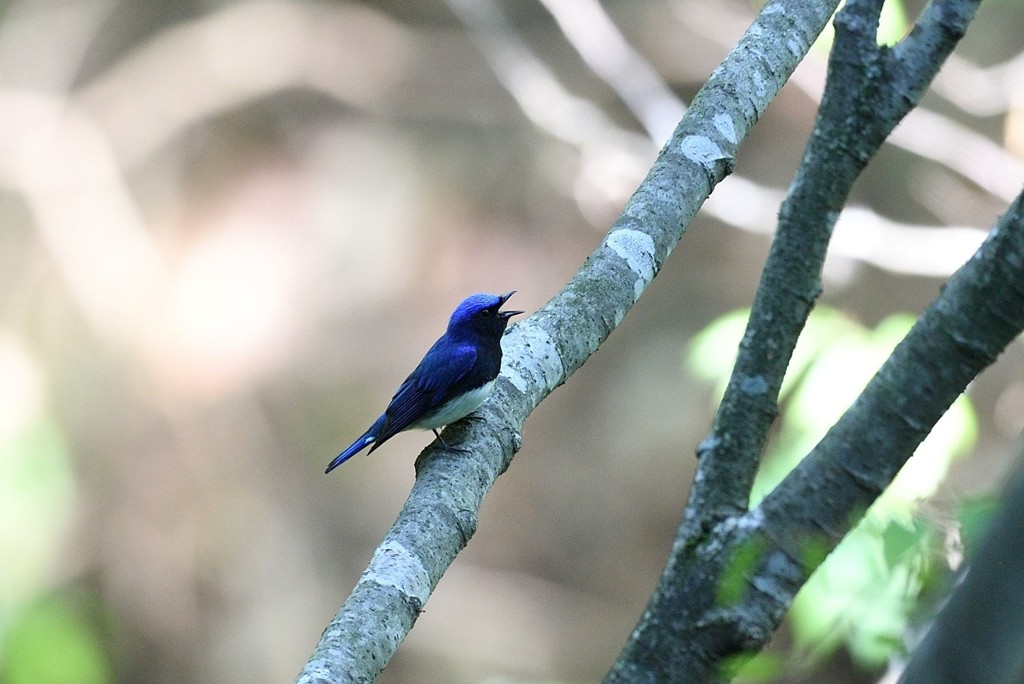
x=448 y=446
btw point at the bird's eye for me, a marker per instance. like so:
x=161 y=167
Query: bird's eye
x=486 y=312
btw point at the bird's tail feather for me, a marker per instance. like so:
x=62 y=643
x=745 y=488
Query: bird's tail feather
x=366 y=440
x=356 y=447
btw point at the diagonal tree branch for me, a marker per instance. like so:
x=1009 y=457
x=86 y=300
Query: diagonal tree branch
x=683 y=634
x=978 y=313
x=774 y=548
x=870 y=88
x=978 y=637
x=543 y=351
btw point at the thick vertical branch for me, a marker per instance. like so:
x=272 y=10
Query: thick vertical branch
x=978 y=637
x=683 y=634
x=870 y=88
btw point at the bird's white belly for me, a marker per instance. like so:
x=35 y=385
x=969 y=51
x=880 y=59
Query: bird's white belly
x=457 y=408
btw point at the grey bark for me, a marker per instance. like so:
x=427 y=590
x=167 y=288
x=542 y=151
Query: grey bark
x=978 y=636
x=542 y=351
x=685 y=634
x=690 y=632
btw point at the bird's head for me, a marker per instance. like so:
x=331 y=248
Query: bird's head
x=479 y=314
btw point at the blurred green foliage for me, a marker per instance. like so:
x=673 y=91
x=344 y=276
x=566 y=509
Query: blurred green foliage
x=892 y=27
x=973 y=516
x=864 y=594
x=36 y=499
x=45 y=636
x=55 y=640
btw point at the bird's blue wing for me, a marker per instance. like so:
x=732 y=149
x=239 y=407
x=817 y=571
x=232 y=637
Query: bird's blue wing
x=434 y=382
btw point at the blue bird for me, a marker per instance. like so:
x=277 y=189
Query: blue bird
x=453 y=379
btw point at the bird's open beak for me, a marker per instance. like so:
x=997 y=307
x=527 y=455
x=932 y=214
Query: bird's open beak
x=504 y=298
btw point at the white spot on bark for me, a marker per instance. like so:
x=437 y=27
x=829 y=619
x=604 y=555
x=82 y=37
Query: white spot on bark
x=393 y=565
x=701 y=149
x=760 y=87
x=637 y=250
x=725 y=126
x=754 y=385
x=542 y=366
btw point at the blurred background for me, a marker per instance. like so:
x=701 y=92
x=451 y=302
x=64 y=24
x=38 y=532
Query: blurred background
x=228 y=230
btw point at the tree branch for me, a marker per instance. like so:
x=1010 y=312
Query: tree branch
x=773 y=548
x=683 y=634
x=978 y=637
x=869 y=90
x=978 y=313
x=544 y=350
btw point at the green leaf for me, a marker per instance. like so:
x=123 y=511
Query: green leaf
x=901 y=542
x=862 y=594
